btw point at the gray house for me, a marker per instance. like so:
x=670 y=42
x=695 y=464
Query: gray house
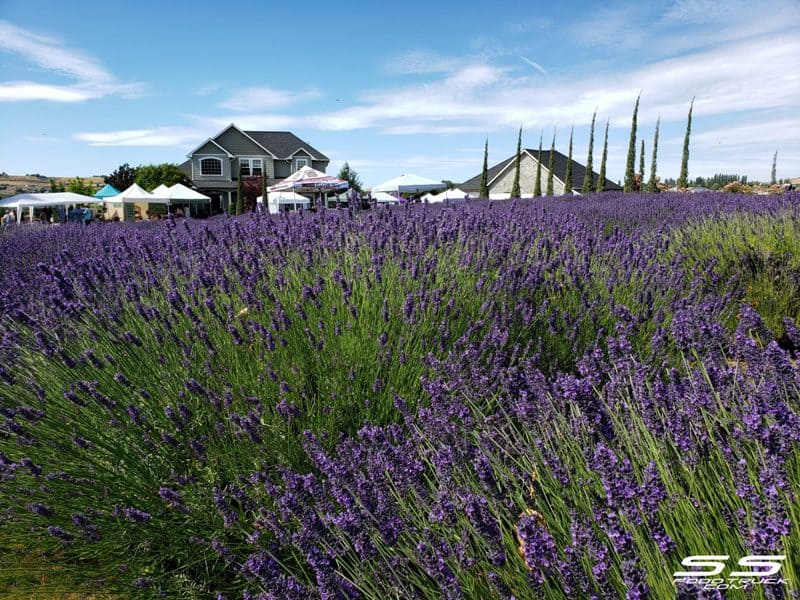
x=501 y=175
x=216 y=165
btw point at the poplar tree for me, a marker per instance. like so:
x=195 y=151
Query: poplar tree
x=537 y=186
x=652 y=185
x=568 y=175
x=641 y=168
x=264 y=193
x=774 y=178
x=515 y=193
x=601 y=180
x=239 y=209
x=683 y=179
x=483 y=192
x=551 y=163
x=587 y=178
x=630 y=167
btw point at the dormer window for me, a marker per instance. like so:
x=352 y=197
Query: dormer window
x=301 y=162
x=211 y=166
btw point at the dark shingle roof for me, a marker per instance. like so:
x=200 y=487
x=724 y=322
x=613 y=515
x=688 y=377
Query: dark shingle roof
x=186 y=167
x=284 y=143
x=559 y=170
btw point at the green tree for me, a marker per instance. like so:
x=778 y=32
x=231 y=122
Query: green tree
x=152 y=176
x=123 y=178
x=551 y=164
x=587 y=178
x=773 y=179
x=630 y=167
x=483 y=191
x=683 y=178
x=79 y=186
x=56 y=187
x=601 y=180
x=652 y=185
x=537 y=186
x=568 y=175
x=239 y=208
x=641 y=168
x=350 y=176
x=264 y=192
x=515 y=193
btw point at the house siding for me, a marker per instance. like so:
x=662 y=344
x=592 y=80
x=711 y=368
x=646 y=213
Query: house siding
x=527 y=179
x=238 y=144
x=319 y=165
x=208 y=148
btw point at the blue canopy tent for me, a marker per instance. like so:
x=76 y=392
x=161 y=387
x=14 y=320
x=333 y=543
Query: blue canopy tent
x=106 y=191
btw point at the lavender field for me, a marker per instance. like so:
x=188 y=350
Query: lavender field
x=530 y=399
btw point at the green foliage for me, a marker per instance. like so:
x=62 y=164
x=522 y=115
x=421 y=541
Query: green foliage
x=483 y=190
x=239 y=206
x=56 y=187
x=264 y=192
x=151 y=176
x=630 y=165
x=568 y=176
x=537 y=186
x=758 y=254
x=601 y=180
x=515 y=192
x=586 y=188
x=449 y=185
x=350 y=176
x=641 y=163
x=123 y=178
x=551 y=165
x=652 y=185
x=683 y=178
x=773 y=178
x=79 y=186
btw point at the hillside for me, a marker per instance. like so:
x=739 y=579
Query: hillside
x=20 y=184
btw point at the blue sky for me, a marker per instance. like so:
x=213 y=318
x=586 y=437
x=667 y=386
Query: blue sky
x=399 y=87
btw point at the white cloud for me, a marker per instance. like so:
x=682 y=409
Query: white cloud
x=534 y=64
x=92 y=79
x=158 y=136
x=421 y=62
x=266 y=98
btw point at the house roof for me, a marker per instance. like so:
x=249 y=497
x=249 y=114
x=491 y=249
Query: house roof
x=559 y=171
x=284 y=144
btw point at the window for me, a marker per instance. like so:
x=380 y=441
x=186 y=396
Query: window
x=250 y=166
x=210 y=166
x=301 y=162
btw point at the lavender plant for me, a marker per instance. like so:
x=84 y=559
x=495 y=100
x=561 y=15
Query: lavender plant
x=528 y=399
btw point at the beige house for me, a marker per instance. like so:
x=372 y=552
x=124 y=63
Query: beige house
x=501 y=175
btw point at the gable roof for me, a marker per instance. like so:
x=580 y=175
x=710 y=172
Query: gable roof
x=559 y=171
x=284 y=144
x=210 y=141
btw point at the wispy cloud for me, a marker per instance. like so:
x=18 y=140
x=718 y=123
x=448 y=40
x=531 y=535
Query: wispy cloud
x=157 y=136
x=535 y=65
x=421 y=62
x=91 y=79
x=266 y=98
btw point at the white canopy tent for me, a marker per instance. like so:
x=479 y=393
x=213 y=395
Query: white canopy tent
x=161 y=190
x=409 y=184
x=453 y=195
x=44 y=200
x=181 y=193
x=385 y=198
x=286 y=199
x=135 y=194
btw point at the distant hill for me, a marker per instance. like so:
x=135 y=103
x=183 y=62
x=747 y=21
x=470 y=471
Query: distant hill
x=27 y=184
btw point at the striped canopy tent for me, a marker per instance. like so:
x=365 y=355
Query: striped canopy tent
x=307 y=179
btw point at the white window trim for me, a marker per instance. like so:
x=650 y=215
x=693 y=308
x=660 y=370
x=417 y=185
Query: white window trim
x=250 y=160
x=216 y=158
x=306 y=162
